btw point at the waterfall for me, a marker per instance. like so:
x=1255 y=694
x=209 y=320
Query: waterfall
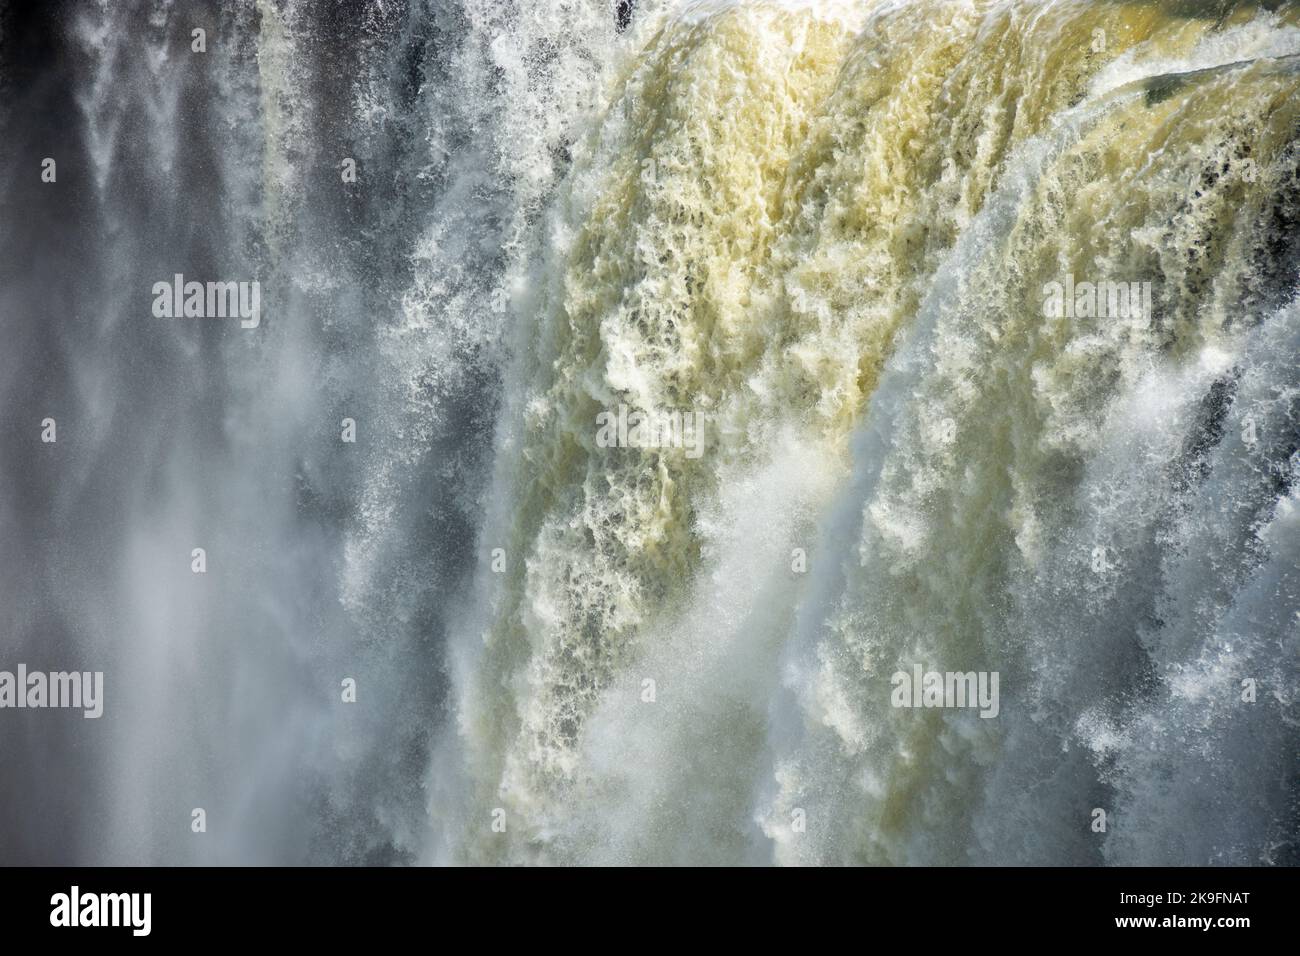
x=642 y=393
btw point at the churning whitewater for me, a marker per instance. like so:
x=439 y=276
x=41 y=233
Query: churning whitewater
x=802 y=432
x=830 y=227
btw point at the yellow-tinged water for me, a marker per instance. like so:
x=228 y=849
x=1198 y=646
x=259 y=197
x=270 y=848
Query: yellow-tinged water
x=832 y=230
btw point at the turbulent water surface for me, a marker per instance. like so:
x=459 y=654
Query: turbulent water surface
x=826 y=231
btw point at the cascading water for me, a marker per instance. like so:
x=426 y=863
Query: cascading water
x=835 y=233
